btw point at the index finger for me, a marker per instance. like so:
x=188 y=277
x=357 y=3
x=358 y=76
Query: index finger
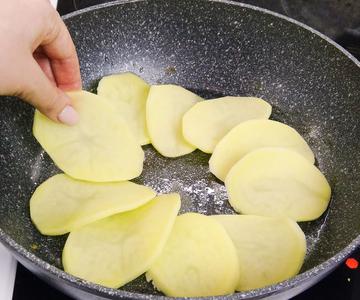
x=60 y=49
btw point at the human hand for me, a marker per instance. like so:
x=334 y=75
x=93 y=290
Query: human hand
x=38 y=60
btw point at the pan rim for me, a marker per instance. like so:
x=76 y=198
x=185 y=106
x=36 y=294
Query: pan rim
x=281 y=287
x=99 y=290
x=253 y=7
x=77 y=282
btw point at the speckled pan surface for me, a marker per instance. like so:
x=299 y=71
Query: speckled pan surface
x=213 y=48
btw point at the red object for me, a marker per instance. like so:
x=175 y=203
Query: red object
x=352 y=263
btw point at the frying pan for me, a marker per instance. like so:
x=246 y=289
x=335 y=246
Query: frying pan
x=213 y=48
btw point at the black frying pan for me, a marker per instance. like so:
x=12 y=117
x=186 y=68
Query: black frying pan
x=213 y=48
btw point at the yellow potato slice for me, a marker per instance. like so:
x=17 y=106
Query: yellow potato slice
x=207 y=122
x=251 y=135
x=62 y=204
x=277 y=182
x=119 y=248
x=128 y=93
x=269 y=250
x=199 y=259
x=100 y=147
x=166 y=105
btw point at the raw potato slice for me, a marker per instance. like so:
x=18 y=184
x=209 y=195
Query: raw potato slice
x=269 y=250
x=100 y=147
x=62 y=204
x=165 y=108
x=207 y=122
x=128 y=93
x=277 y=182
x=199 y=259
x=119 y=248
x=251 y=135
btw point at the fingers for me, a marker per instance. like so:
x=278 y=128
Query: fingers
x=39 y=77
x=38 y=90
x=59 y=48
x=44 y=64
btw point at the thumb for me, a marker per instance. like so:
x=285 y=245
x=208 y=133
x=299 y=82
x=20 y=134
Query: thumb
x=40 y=92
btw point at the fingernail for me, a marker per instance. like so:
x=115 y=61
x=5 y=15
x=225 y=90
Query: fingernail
x=68 y=116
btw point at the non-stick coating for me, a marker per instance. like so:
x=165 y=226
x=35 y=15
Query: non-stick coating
x=213 y=48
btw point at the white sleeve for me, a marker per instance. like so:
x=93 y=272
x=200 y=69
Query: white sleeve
x=7 y=274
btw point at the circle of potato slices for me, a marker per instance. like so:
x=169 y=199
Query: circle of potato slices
x=118 y=230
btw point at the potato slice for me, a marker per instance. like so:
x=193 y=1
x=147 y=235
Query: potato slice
x=100 y=147
x=119 y=248
x=62 y=204
x=199 y=259
x=251 y=135
x=269 y=250
x=128 y=93
x=207 y=122
x=165 y=108
x=277 y=182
